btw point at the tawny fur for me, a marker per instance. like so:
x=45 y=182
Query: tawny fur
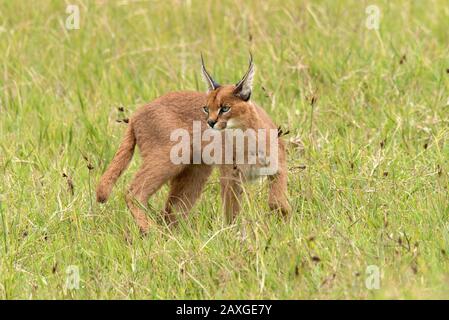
x=150 y=129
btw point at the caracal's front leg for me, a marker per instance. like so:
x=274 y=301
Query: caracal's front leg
x=277 y=199
x=231 y=191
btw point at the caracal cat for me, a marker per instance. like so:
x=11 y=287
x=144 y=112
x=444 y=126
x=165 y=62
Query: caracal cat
x=221 y=109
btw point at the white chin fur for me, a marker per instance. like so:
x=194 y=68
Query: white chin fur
x=232 y=124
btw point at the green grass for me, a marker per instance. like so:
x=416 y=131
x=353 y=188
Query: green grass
x=374 y=190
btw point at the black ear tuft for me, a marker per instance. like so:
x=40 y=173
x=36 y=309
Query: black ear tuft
x=210 y=82
x=244 y=87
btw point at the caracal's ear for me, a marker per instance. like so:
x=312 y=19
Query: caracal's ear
x=210 y=82
x=244 y=87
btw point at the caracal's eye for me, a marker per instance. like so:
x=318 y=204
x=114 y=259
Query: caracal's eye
x=225 y=109
x=206 y=109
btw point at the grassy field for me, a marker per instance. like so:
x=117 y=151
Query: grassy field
x=368 y=160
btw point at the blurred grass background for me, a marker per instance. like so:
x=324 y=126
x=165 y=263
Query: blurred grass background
x=368 y=161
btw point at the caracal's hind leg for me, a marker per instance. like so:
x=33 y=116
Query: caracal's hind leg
x=151 y=176
x=231 y=191
x=185 y=189
x=277 y=194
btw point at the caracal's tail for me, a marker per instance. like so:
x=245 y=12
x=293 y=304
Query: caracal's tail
x=118 y=164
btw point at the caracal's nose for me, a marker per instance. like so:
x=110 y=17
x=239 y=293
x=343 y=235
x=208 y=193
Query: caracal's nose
x=211 y=123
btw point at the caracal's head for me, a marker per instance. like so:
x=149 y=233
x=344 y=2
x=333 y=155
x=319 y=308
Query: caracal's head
x=227 y=106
